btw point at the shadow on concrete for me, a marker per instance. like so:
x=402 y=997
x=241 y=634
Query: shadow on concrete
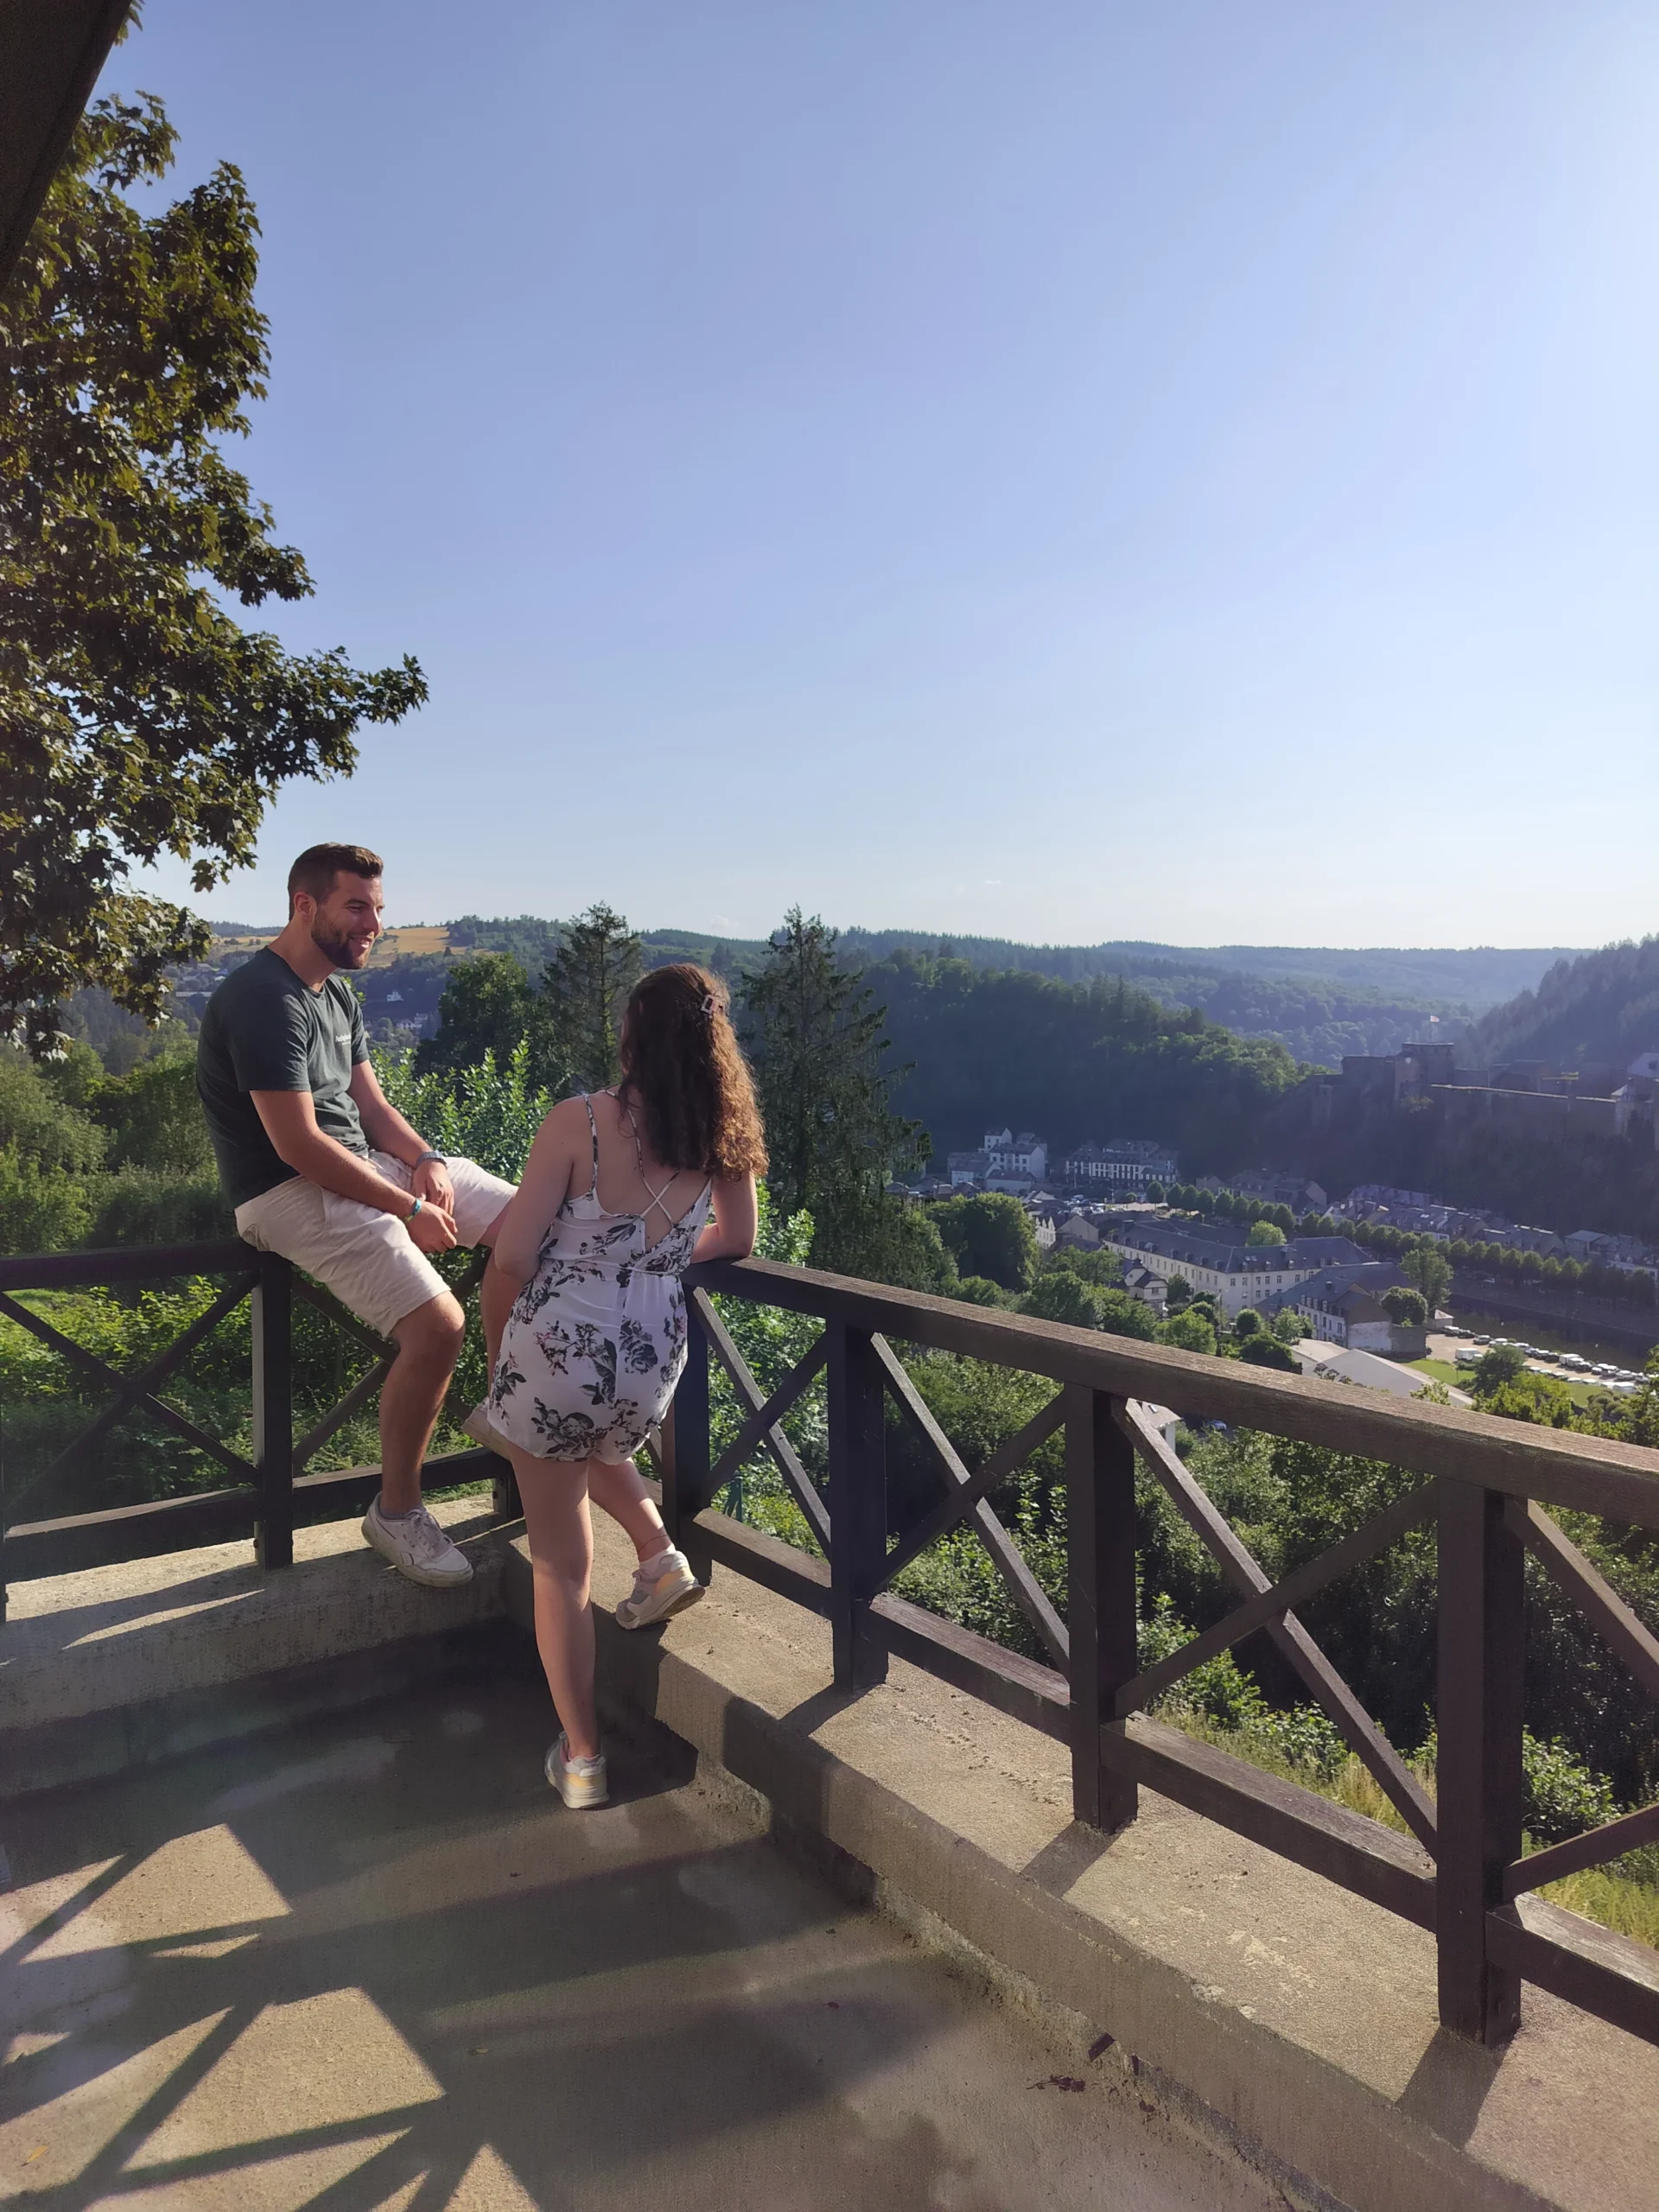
x=809 y=1715
x=1450 y=2085
x=1062 y=1863
x=571 y=1997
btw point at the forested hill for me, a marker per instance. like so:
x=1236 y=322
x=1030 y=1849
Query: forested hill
x=1318 y=1002
x=1070 y=1060
x=1602 y=1006
x=1476 y=977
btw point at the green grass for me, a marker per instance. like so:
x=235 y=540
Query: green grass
x=1444 y=1370
x=1623 y=1896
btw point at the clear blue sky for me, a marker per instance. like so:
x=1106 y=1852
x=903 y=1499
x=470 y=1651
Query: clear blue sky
x=1060 y=468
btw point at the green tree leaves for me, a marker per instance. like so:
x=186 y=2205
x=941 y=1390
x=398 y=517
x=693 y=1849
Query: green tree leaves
x=137 y=716
x=990 y=1234
x=569 y=1017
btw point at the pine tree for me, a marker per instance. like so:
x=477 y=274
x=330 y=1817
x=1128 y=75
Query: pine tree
x=818 y=1040
x=582 y=990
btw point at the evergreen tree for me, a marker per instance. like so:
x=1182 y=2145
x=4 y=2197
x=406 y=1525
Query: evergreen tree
x=581 y=995
x=816 y=1040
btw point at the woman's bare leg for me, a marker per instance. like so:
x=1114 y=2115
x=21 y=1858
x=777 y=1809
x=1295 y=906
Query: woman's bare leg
x=495 y=1301
x=617 y=1488
x=560 y=1532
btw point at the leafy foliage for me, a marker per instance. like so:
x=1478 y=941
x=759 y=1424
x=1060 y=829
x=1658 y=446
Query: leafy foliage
x=137 y=716
x=989 y=1233
x=489 y=1006
x=491 y=1114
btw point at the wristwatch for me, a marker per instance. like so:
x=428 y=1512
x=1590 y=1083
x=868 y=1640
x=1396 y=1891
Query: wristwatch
x=441 y=1158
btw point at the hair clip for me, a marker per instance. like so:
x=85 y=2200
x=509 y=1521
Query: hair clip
x=708 y=1004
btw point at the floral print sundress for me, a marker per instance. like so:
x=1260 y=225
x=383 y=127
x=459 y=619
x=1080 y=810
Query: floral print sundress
x=597 y=1338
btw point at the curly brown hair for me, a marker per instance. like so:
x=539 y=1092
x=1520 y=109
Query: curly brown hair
x=683 y=1067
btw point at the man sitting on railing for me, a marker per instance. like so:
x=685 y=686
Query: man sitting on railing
x=321 y=1168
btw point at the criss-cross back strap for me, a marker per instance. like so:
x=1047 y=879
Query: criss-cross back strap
x=659 y=1199
x=593 y=1130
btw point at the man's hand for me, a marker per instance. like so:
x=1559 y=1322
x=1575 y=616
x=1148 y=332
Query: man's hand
x=432 y=1230
x=431 y=1181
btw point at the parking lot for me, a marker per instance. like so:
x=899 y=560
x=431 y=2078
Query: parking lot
x=1463 y=1349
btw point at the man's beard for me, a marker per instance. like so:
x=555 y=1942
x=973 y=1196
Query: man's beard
x=336 y=949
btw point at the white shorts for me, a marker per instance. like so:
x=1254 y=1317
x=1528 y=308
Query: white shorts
x=367 y=1258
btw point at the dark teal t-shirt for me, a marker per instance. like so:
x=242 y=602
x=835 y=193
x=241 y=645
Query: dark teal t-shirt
x=265 y=1030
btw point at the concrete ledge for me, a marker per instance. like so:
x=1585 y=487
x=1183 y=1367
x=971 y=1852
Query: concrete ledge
x=1301 y=2019
x=1294 y=2020
x=118 y=1666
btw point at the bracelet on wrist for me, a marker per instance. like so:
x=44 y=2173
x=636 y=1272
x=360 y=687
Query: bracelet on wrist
x=443 y=1158
x=414 y=1208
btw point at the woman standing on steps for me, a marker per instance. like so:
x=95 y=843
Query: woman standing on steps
x=614 y=1205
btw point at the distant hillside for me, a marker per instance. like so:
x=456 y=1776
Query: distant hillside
x=1070 y=1060
x=1478 y=978
x=1601 y=1006
x=1319 y=1002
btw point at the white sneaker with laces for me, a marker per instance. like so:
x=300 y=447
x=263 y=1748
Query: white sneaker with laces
x=416 y=1546
x=663 y=1585
x=581 y=1782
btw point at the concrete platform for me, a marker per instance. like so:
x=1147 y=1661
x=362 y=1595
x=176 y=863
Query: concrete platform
x=118 y=1666
x=1217 y=1983
x=371 y=1964
x=1299 y=2016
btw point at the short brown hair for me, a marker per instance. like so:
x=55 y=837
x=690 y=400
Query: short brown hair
x=683 y=1064
x=314 y=871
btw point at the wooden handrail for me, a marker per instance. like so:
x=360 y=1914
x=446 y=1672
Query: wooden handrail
x=1589 y=1474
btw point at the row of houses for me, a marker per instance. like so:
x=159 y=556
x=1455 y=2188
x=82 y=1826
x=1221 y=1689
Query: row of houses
x=1019 y=1161
x=1328 y=1282
x=1423 y=1214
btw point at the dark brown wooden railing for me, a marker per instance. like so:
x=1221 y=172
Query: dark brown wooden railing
x=269 y=1493
x=1459 y=1871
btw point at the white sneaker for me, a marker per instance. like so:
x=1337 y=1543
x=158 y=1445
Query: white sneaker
x=581 y=1782
x=417 y=1547
x=670 y=1589
x=477 y=1426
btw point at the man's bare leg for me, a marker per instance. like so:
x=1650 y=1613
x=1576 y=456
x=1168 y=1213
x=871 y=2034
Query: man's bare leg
x=428 y=1344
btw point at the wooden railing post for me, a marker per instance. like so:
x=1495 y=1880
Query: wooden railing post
x=1481 y=1631
x=685 y=1449
x=272 y=1310
x=858 y=1504
x=504 y=1501
x=1100 y=1599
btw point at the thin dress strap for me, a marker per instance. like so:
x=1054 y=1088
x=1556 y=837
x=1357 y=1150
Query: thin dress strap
x=593 y=1130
